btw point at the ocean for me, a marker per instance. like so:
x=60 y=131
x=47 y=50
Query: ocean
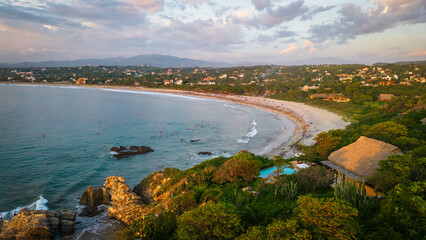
x=55 y=141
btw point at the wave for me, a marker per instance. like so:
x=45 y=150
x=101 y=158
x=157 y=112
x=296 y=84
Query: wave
x=251 y=134
x=153 y=93
x=40 y=204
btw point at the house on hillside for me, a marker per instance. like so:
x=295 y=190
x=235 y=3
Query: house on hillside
x=385 y=97
x=319 y=95
x=359 y=159
x=81 y=81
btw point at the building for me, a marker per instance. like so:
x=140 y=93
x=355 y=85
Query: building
x=81 y=81
x=385 y=97
x=360 y=159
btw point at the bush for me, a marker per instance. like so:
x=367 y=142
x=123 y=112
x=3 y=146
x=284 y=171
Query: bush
x=327 y=218
x=237 y=169
x=313 y=178
x=212 y=221
x=153 y=227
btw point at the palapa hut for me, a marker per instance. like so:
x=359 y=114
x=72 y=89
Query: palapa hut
x=359 y=159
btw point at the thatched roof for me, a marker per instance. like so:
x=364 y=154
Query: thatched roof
x=362 y=156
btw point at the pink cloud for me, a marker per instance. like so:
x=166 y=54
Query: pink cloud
x=291 y=48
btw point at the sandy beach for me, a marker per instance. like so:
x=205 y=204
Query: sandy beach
x=309 y=120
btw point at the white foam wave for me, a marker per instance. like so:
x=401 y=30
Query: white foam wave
x=227 y=105
x=251 y=134
x=40 y=204
x=154 y=93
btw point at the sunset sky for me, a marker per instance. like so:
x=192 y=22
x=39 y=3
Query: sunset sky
x=264 y=31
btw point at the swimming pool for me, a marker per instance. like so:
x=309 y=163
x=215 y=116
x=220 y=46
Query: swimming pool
x=267 y=172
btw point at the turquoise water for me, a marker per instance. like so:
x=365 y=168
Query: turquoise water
x=267 y=172
x=55 y=141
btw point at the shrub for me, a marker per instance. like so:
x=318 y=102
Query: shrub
x=237 y=170
x=289 y=190
x=212 y=221
x=327 y=218
x=313 y=178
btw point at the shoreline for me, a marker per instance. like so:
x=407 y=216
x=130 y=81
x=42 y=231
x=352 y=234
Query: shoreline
x=309 y=120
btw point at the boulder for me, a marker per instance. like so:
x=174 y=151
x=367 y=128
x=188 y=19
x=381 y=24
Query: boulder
x=114 y=149
x=67 y=221
x=204 y=153
x=68 y=214
x=67 y=227
x=95 y=196
x=123 y=152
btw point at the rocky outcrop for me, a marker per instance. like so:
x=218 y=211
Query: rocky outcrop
x=204 y=153
x=27 y=225
x=38 y=224
x=68 y=221
x=125 y=206
x=123 y=152
x=92 y=198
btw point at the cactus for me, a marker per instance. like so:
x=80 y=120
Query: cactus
x=351 y=191
x=289 y=190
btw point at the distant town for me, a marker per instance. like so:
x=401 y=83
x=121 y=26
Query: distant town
x=338 y=83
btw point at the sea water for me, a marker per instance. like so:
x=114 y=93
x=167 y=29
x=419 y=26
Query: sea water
x=55 y=141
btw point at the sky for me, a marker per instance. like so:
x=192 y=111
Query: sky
x=234 y=31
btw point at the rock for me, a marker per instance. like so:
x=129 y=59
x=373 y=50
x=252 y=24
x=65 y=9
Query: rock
x=67 y=227
x=94 y=196
x=27 y=225
x=114 y=149
x=89 y=212
x=68 y=215
x=67 y=221
x=204 y=153
x=194 y=140
x=125 y=205
x=123 y=152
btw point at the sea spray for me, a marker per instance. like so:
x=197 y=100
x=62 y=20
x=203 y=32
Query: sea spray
x=40 y=204
x=251 y=134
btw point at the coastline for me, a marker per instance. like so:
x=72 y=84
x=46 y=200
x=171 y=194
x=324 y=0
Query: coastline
x=309 y=120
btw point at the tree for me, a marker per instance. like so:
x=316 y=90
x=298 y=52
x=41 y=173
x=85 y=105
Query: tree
x=212 y=221
x=403 y=212
x=239 y=168
x=327 y=218
x=325 y=142
x=386 y=131
x=288 y=230
x=398 y=169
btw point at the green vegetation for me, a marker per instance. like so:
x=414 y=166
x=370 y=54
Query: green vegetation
x=223 y=198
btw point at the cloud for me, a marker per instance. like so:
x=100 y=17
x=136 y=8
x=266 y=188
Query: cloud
x=310 y=46
x=275 y=15
x=354 y=21
x=242 y=14
x=261 y=4
x=418 y=52
x=316 y=10
x=50 y=27
x=150 y=5
x=291 y=48
x=284 y=33
x=201 y=34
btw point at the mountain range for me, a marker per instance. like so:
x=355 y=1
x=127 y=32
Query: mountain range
x=164 y=61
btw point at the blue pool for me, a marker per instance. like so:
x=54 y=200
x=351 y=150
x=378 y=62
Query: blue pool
x=267 y=172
